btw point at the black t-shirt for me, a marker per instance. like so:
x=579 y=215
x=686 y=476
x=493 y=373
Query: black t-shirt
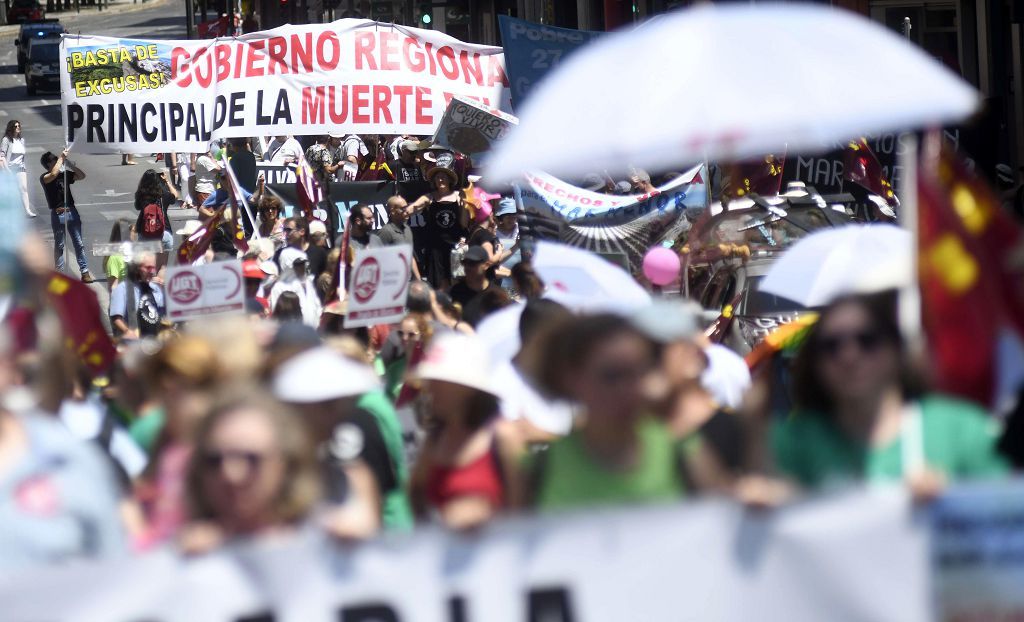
x=480 y=237
x=443 y=224
x=54 y=191
x=404 y=172
x=317 y=256
x=243 y=163
x=470 y=299
x=356 y=438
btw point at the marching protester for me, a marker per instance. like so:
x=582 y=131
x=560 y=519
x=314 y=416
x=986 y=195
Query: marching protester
x=243 y=163
x=467 y=472
x=620 y=454
x=407 y=166
x=12 y=158
x=252 y=472
x=114 y=265
x=447 y=221
x=56 y=184
x=357 y=471
x=397 y=230
x=270 y=212
x=317 y=250
x=153 y=197
x=296 y=279
x=60 y=498
x=864 y=412
x=476 y=292
x=206 y=176
x=319 y=157
x=283 y=150
x=137 y=305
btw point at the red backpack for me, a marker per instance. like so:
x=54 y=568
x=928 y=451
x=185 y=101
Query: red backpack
x=153 y=222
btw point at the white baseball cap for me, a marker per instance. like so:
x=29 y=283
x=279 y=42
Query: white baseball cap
x=317 y=226
x=459 y=359
x=321 y=375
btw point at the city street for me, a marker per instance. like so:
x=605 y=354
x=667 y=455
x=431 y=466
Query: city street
x=106 y=193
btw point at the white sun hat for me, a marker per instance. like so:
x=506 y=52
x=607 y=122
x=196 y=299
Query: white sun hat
x=320 y=375
x=459 y=359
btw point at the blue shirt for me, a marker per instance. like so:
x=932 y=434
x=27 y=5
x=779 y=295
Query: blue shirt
x=58 y=502
x=118 y=299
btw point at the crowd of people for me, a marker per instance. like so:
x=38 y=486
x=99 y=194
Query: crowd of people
x=205 y=433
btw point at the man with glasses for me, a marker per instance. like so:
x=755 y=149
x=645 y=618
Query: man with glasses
x=137 y=304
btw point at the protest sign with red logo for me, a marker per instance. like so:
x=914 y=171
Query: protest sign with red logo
x=380 y=283
x=202 y=291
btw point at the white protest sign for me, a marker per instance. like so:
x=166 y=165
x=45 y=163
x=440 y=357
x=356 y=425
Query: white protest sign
x=472 y=128
x=350 y=76
x=380 y=284
x=201 y=291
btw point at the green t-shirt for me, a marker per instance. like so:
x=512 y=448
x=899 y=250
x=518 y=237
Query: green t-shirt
x=116 y=267
x=958 y=439
x=567 y=476
x=147 y=428
x=397 y=512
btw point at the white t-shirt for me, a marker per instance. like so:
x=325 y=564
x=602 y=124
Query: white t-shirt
x=283 y=152
x=519 y=400
x=13 y=152
x=206 y=178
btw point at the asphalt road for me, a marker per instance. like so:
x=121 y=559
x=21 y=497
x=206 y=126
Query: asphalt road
x=106 y=193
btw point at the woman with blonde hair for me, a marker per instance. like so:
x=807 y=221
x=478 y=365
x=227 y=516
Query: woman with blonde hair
x=252 y=473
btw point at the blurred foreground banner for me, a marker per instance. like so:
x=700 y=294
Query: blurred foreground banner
x=350 y=76
x=857 y=556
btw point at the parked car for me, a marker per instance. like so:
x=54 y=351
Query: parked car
x=24 y=11
x=42 y=68
x=35 y=30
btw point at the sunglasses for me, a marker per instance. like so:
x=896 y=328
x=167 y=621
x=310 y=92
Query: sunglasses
x=615 y=373
x=867 y=341
x=217 y=459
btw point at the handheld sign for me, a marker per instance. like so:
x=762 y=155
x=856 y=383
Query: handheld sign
x=380 y=284
x=201 y=291
x=472 y=128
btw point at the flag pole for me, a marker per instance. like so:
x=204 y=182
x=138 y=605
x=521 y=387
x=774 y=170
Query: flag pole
x=910 y=294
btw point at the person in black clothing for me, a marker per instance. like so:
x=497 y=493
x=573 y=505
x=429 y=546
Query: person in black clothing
x=477 y=293
x=446 y=223
x=243 y=163
x=154 y=187
x=316 y=252
x=56 y=184
x=407 y=166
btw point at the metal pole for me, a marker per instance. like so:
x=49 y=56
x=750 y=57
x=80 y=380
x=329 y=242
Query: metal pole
x=910 y=295
x=190 y=19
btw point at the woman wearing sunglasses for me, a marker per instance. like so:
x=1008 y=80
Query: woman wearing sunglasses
x=253 y=472
x=620 y=454
x=863 y=414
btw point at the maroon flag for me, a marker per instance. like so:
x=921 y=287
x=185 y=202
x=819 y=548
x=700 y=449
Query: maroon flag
x=762 y=177
x=79 y=311
x=861 y=166
x=197 y=243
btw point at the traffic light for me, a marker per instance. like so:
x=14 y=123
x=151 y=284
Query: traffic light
x=426 y=15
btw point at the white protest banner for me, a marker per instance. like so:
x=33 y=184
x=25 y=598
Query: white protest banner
x=472 y=128
x=351 y=75
x=380 y=284
x=853 y=557
x=978 y=554
x=201 y=291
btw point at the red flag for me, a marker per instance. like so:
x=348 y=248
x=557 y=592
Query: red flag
x=861 y=167
x=959 y=320
x=762 y=177
x=236 y=197
x=79 y=311
x=998 y=235
x=307 y=188
x=198 y=242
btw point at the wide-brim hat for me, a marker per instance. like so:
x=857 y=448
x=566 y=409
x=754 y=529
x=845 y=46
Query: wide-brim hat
x=459 y=359
x=453 y=177
x=190 y=227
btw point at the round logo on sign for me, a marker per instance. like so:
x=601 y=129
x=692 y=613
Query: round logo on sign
x=366 y=280
x=185 y=287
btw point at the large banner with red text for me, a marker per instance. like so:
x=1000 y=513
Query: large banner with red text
x=351 y=76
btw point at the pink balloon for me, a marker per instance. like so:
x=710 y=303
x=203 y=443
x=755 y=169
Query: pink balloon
x=661 y=265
